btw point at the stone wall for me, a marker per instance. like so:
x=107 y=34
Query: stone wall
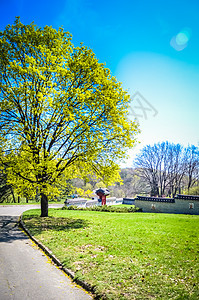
x=160 y=207
x=181 y=204
x=81 y=202
x=187 y=206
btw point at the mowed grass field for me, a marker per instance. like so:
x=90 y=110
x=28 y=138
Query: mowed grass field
x=125 y=255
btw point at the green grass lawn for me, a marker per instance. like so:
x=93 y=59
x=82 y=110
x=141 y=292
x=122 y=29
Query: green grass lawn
x=125 y=255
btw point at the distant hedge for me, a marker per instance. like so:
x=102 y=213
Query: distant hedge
x=105 y=208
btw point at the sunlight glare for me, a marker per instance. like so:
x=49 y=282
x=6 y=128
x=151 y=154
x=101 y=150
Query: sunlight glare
x=180 y=41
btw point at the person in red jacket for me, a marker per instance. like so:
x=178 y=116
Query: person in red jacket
x=103 y=200
x=102 y=193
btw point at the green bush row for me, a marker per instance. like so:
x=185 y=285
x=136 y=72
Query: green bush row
x=105 y=208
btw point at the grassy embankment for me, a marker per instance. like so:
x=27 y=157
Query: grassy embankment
x=125 y=255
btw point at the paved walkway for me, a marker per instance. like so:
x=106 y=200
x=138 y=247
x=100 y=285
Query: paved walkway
x=25 y=271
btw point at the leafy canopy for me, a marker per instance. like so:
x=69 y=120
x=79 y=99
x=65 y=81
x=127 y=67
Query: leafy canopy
x=61 y=111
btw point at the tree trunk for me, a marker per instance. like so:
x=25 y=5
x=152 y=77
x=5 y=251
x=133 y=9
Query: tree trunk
x=44 y=205
x=37 y=195
x=13 y=196
x=18 y=199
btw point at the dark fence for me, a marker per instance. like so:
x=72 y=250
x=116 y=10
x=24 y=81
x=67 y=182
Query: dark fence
x=129 y=201
x=187 y=197
x=156 y=199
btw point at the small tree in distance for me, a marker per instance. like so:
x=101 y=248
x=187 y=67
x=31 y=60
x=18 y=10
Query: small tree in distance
x=62 y=114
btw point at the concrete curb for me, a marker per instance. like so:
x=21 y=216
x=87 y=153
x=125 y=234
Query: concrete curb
x=49 y=253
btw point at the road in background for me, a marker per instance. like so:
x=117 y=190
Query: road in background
x=17 y=210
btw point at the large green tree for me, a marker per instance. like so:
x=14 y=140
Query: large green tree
x=62 y=114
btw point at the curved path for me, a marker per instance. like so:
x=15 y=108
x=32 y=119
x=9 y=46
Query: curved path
x=25 y=271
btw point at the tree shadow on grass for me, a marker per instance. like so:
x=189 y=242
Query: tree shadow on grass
x=37 y=225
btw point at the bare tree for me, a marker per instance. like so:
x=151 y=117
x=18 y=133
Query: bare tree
x=176 y=168
x=147 y=167
x=168 y=167
x=192 y=166
x=152 y=165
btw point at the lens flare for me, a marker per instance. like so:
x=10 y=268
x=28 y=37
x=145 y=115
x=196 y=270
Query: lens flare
x=181 y=38
x=180 y=41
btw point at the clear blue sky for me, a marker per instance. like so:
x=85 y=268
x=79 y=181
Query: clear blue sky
x=152 y=47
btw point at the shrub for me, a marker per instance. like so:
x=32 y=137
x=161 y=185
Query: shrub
x=105 y=208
